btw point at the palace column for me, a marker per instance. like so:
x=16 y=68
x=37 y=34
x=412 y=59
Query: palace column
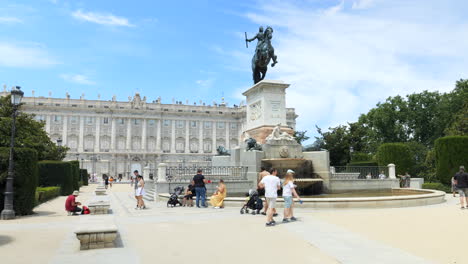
x=187 y=136
x=65 y=130
x=128 y=145
x=80 y=139
x=48 y=121
x=200 y=136
x=213 y=145
x=97 y=134
x=173 y=136
x=227 y=127
x=143 y=135
x=113 y=132
x=158 y=135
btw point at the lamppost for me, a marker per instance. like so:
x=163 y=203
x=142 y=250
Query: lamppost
x=8 y=210
x=59 y=142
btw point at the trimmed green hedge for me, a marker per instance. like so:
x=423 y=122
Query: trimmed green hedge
x=56 y=173
x=396 y=153
x=360 y=157
x=43 y=194
x=363 y=163
x=84 y=176
x=76 y=174
x=25 y=179
x=450 y=152
x=437 y=186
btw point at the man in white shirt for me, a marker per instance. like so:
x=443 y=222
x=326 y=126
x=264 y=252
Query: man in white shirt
x=272 y=184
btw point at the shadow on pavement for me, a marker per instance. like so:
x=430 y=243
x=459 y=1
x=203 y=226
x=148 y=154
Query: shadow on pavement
x=5 y=240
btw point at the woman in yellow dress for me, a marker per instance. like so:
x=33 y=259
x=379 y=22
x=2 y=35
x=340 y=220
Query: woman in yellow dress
x=217 y=199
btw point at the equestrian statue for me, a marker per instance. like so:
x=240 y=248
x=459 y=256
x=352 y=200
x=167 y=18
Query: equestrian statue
x=264 y=52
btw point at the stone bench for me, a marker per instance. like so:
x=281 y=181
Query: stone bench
x=98 y=205
x=100 y=190
x=96 y=233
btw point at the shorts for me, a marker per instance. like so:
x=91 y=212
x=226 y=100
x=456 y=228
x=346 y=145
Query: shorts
x=463 y=192
x=271 y=202
x=288 y=200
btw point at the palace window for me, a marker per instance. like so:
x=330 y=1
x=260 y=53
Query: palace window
x=167 y=123
x=151 y=122
x=57 y=118
x=89 y=120
x=193 y=124
x=121 y=121
x=73 y=119
x=105 y=120
x=180 y=123
x=220 y=125
x=233 y=125
x=207 y=125
x=136 y=121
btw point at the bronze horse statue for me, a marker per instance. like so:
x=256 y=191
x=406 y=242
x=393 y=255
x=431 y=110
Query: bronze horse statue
x=263 y=54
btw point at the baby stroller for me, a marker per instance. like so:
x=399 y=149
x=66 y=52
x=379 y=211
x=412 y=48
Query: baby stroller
x=253 y=203
x=174 y=198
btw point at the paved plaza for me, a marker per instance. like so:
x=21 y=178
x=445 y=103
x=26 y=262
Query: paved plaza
x=181 y=235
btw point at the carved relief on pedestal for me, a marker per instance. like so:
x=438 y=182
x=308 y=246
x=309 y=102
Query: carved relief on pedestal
x=256 y=110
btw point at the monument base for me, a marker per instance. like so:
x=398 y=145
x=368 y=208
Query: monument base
x=261 y=133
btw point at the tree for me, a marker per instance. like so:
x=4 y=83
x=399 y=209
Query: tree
x=336 y=141
x=300 y=136
x=29 y=133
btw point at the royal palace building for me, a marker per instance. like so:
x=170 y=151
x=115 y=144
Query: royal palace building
x=116 y=137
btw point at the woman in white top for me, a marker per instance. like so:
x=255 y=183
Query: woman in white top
x=288 y=192
x=139 y=192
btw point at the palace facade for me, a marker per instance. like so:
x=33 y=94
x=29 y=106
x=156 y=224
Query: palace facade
x=116 y=137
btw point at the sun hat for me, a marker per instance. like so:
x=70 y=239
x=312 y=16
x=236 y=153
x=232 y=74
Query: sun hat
x=290 y=171
x=76 y=193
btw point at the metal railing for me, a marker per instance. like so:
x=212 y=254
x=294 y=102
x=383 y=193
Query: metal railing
x=186 y=173
x=358 y=172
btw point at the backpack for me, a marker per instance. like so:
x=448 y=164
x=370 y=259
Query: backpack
x=86 y=210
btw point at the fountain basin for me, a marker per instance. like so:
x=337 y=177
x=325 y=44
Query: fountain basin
x=418 y=198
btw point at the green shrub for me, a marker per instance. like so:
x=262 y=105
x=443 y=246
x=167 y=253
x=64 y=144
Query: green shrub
x=396 y=153
x=43 y=194
x=84 y=176
x=360 y=156
x=25 y=179
x=56 y=173
x=437 y=186
x=363 y=163
x=76 y=174
x=450 y=153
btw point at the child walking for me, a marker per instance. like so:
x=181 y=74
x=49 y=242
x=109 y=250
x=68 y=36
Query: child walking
x=288 y=192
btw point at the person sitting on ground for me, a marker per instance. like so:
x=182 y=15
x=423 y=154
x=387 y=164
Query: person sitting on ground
x=288 y=192
x=461 y=180
x=71 y=205
x=188 y=196
x=217 y=199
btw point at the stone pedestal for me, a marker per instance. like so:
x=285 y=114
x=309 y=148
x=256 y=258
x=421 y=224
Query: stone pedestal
x=252 y=160
x=97 y=237
x=100 y=190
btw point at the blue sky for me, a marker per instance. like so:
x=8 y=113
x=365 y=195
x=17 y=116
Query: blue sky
x=340 y=56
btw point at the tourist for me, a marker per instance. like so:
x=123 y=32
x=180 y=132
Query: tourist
x=461 y=179
x=288 y=192
x=263 y=172
x=382 y=175
x=111 y=180
x=139 y=192
x=134 y=184
x=272 y=184
x=405 y=180
x=200 y=189
x=217 y=199
x=188 y=196
x=454 y=187
x=369 y=176
x=106 y=180
x=71 y=205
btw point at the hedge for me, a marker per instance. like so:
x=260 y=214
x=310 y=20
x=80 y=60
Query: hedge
x=84 y=176
x=56 y=173
x=360 y=156
x=437 y=186
x=43 y=194
x=363 y=163
x=396 y=153
x=76 y=174
x=25 y=179
x=450 y=153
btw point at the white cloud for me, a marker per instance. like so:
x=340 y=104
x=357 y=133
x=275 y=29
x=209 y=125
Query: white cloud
x=10 y=20
x=340 y=62
x=77 y=78
x=204 y=83
x=102 y=18
x=25 y=56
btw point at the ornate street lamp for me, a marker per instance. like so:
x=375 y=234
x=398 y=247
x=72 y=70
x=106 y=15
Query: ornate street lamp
x=59 y=142
x=8 y=210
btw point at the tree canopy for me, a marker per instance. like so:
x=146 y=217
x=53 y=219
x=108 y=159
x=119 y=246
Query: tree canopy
x=29 y=133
